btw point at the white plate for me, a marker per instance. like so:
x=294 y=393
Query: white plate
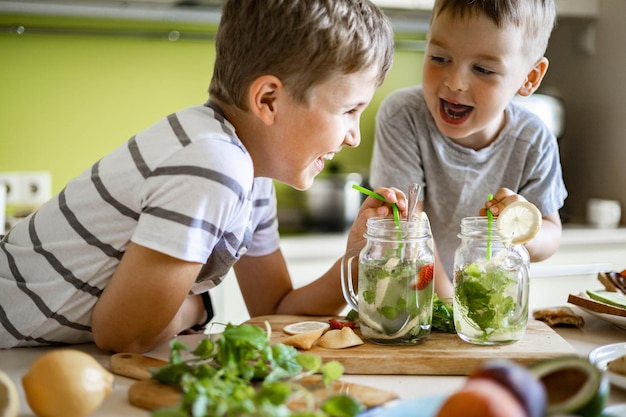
x=616 y=410
x=417 y=407
x=618 y=321
x=603 y=355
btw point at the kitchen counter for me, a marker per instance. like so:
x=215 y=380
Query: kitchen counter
x=299 y=245
x=596 y=332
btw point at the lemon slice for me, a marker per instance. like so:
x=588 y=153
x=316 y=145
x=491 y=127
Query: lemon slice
x=305 y=326
x=519 y=221
x=9 y=402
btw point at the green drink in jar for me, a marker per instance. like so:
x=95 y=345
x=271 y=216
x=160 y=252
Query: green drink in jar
x=395 y=282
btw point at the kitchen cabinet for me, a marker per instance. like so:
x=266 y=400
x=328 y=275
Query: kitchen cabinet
x=583 y=253
x=168 y=10
x=564 y=8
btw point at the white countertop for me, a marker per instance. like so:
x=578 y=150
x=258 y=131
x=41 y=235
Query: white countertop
x=596 y=332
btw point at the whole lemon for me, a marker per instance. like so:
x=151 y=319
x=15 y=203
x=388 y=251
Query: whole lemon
x=66 y=383
x=9 y=402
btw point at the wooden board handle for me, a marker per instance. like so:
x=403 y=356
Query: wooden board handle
x=149 y=394
x=133 y=365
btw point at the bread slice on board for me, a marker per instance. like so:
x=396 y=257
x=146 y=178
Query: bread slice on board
x=559 y=316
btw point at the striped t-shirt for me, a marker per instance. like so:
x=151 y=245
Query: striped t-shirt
x=183 y=187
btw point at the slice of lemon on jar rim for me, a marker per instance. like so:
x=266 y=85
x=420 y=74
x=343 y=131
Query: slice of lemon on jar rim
x=519 y=221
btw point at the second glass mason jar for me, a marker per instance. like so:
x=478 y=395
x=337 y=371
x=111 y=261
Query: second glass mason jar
x=395 y=282
x=491 y=285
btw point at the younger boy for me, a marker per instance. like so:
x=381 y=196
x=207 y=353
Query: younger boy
x=122 y=253
x=460 y=136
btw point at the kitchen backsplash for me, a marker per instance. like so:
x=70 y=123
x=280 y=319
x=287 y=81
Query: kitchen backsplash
x=79 y=89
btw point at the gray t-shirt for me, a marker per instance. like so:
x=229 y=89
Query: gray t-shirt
x=456 y=180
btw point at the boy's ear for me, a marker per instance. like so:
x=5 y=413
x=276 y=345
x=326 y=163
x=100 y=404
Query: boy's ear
x=534 y=77
x=263 y=97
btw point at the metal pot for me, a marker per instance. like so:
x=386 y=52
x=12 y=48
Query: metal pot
x=331 y=202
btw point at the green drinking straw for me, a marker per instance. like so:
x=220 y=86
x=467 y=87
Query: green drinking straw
x=394 y=206
x=489 y=228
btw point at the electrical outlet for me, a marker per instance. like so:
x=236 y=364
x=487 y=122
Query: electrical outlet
x=13 y=183
x=26 y=188
x=36 y=187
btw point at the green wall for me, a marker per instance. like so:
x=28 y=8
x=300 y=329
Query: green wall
x=68 y=98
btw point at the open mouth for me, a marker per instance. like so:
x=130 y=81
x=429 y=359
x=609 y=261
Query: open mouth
x=320 y=161
x=453 y=112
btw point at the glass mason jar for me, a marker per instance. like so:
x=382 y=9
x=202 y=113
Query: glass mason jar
x=491 y=285
x=395 y=282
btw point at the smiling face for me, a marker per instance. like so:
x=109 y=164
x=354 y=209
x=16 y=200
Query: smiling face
x=304 y=135
x=472 y=70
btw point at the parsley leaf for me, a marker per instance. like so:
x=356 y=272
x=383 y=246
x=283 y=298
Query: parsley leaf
x=242 y=375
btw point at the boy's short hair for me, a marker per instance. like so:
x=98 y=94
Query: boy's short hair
x=536 y=18
x=302 y=42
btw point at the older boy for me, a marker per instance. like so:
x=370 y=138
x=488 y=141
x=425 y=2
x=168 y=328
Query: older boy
x=122 y=254
x=460 y=136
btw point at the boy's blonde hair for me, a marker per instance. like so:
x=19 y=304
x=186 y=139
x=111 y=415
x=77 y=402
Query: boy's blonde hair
x=536 y=18
x=302 y=42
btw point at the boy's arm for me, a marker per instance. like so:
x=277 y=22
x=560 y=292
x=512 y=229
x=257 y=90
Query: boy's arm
x=266 y=286
x=547 y=240
x=146 y=302
x=267 y=289
x=443 y=284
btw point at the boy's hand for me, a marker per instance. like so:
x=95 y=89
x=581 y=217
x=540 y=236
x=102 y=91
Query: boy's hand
x=373 y=207
x=547 y=240
x=500 y=200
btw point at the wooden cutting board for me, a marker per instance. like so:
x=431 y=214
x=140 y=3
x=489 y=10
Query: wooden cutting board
x=149 y=394
x=439 y=354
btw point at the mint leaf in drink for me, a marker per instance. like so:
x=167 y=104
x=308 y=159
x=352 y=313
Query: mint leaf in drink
x=482 y=294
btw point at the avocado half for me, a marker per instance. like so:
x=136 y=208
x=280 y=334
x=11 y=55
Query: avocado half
x=573 y=386
x=612 y=298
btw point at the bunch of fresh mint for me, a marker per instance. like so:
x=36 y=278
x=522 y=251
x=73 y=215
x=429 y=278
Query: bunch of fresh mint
x=482 y=292
x=241 y=374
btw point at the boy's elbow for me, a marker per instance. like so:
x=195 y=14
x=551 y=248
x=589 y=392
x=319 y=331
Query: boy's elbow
x=122 y=346
x=111 y=340
x=544 y=248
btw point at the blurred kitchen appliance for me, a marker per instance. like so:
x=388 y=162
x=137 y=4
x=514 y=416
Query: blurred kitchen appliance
x=331 y=202
x=603 y=213
x=549 y=108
